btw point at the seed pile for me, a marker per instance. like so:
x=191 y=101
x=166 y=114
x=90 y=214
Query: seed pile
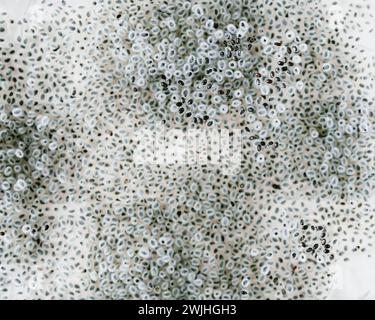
x=77 y=89
x=40 y=151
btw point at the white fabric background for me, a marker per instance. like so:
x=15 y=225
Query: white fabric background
x=354 y=279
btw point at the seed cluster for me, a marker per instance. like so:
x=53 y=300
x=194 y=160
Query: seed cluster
x=76 y=89
x=40 y=152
